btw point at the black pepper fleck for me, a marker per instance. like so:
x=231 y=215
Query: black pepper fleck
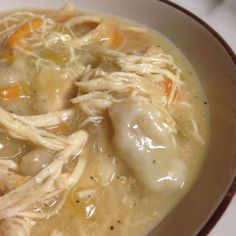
x=205 y=103
x=77 y=201
x=91 y=177
x=154 y=161
x=111 y=227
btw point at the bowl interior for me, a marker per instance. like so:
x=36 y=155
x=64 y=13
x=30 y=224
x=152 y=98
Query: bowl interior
x=217 y=73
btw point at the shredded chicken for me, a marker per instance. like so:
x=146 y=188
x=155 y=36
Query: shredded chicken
x=47 y=120
x=137 y=72
x=153 y=67
x=33 y=199
x=20 y=130
x=105 y=78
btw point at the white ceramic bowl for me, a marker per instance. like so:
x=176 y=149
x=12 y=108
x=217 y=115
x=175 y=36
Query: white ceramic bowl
x=215 y=65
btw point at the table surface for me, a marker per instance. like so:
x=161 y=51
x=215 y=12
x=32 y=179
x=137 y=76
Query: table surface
x=220 y=15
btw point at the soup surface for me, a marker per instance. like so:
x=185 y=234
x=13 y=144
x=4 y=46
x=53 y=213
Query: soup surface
x=103 y=125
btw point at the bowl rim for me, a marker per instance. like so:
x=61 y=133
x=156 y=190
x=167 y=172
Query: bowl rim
x=231 y=192
x=228 y=196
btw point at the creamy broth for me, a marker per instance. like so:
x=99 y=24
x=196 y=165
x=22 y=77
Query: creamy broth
x=129 y=172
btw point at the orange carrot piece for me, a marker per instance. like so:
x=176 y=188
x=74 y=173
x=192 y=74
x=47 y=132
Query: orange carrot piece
x=116 y=37
x=8 y=55
x=24 y=31
x=10 y=92
x=168 y=84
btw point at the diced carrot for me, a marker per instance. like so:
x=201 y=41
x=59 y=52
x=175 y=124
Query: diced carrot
x=10 y=92
x=8 y=55
x=116 y=38
x=24 y=31
x=168 y=84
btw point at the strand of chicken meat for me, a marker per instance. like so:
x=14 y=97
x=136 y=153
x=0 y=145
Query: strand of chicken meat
x=21 y=128
x=44 y=194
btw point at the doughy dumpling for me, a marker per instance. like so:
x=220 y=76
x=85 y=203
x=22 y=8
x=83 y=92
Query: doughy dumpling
x=143 y=136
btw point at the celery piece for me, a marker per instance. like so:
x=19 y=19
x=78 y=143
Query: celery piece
x=57 y=57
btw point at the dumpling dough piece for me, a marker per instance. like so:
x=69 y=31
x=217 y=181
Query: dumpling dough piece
x=144 y=139
x=53 y=92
